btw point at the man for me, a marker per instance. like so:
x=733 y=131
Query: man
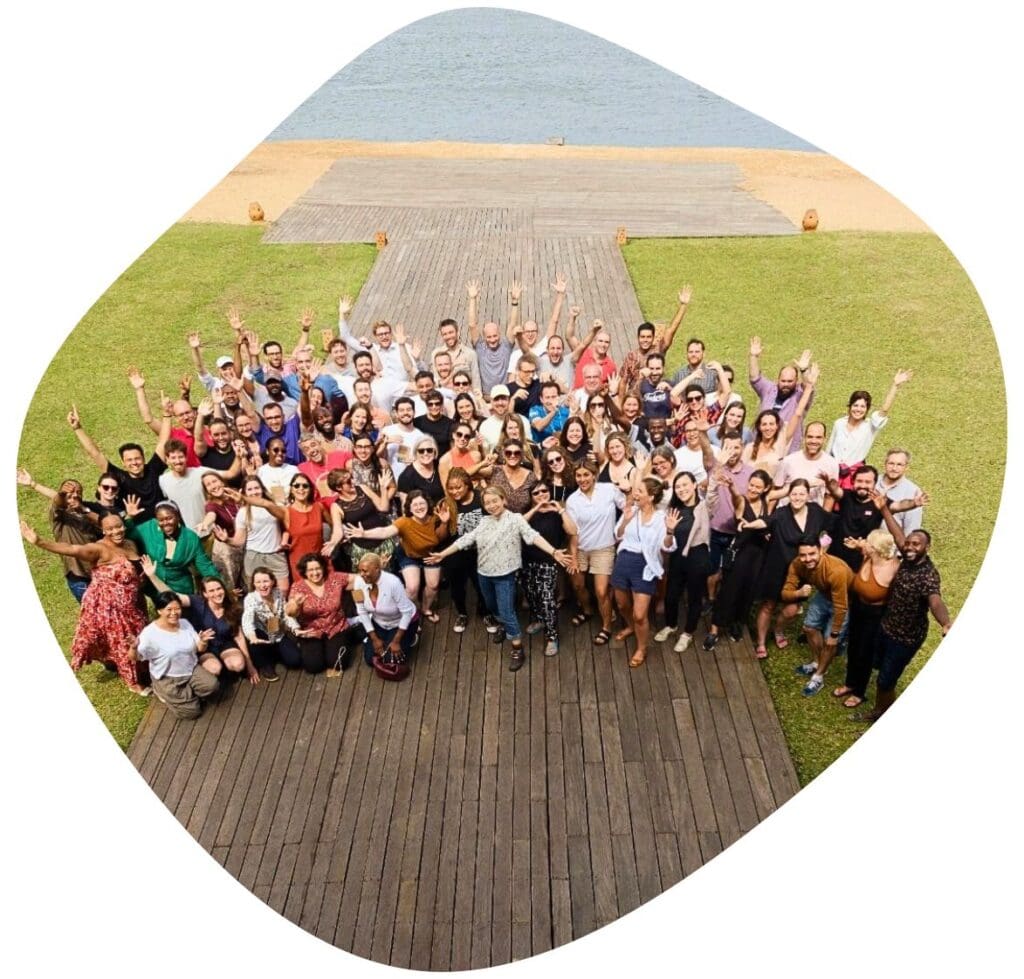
x=272 y=391
x=549 y=417
x=784 y=394
x=441 y=364
x=553 y=365
x=318 y=463
x=689 y=406
x=809 y=571
x=183 y=485
x=424 y=385
x=462 y=357
x=595 y=353
x=655 y=391
x=388 y=353
x=400 y=438
x=491 y=427
x=434 y=422
x=183 y=414
x=274 y=426
x=493 y=351
x=732 y=474
x=897 y=487
x=528 y=338
x=811 y=463
x=525 y=388
x=592 y=381
x=855 y=514
x=218 y=454
x=336 y=366
x=657 y=433
x=647 y=342
x=225 y=366
x=696 y=370
x=363 y=393
x=915 y=591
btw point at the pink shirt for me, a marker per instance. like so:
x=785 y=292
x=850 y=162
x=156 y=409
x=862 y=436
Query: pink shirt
x=607 y=366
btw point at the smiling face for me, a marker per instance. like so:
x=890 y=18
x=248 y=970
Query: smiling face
x=662 y=467
x=584 y=479
x=684 y=487
x=591 y=379
x=787 y=381
x=814 y=439
x=113 y=529
x=492 y=335
x=274 y=418
x=370 y=569
x=274 y=354
x=915 y=548
x=616 y=449
x=133 y=461
x=170 y=614
x=863 y=484
x=755 y=488
x=275 y=453
x=809 y=555
x=177 y=462
x=531 y=332
x=631 y=407
x=405 y=413
x=220 y=435
x=858 y=410
x=363 y=363
x=213 y=485
x=315 y=572
x=419 y=508
x=359 y=418
x=694 y=354
x=645 y=339
x=449 y=335
x=213 y=592
x=641 y=497
x=494 y=503
x=312 y=450
x=107 y=489
x=253 y=487
x=734 y=416
x=184 y=415
x=72 y=491
x=363 y=449
x=895 y=466
x=556 y=350
x=457 y=487
x=798 y=497
x=574 y=432
x=263 y=584
x=657 y=428
x=382 y=334
x=602 y=344
x=243 y=425
x=168 y=521
x=768 y=426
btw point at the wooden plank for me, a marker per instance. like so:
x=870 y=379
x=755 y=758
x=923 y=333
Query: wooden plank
x=602 y=861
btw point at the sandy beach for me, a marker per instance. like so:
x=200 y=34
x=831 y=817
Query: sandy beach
x=277 y=173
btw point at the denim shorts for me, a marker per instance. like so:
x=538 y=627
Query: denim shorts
x=819 y=617
x=403 y=561
x=628 y=574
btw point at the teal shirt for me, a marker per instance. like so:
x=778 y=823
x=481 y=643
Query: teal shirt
x=189 y=555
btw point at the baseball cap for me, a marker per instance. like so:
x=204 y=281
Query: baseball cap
x=499 y=391
x=224 y=361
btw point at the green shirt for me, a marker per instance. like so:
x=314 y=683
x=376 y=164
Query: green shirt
x=189 y=556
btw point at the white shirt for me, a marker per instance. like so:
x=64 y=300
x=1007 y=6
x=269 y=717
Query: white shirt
x=648 y=540
x=187 y=493
x=490 y=431
x=277 y=479
x=393 y=608
x=537 y=349
x=796 y=465
x=409 y=440
x=595 y=515
x=169 y=653
x=264 y=536
x=690 y=461
x=853 y=445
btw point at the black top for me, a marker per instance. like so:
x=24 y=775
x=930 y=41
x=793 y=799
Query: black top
x=221 y=462
x=146 y=486
x=852 y=518
x=549 y=526
x=468 y=515
x=411 y=480
x=522 y=406
x=440 y=430
x=362 y=511
x=201 y=616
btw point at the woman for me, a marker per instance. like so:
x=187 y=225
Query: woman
x=574 y=441
x=733 y=420
x=268 y=629
x=220 y=521
x=539 y=576
x=771 y=440
x=598 y=423
x=419 y=532
x=593 y=509
x=853 y=435
x=360 y=422
x=276 y=474
x=465 y=512
x=315 y=601
x=352 y=505
x=112 y=613
x=558 y=473
x=786 y=525
x=515 y=430
x=736 y=592
x=661 y=465
x=422 y=475
x=177 y=551
x=868 y=595
x=172 y=649
x=498 y=539
x=387 y=615
x=690 y=563
x=304 y=519
x=513 y=479
x=216 y=613
x=466 y=454
x=466 y=411
x=108 y=491
x=259 y=534
x=372 y=474
x=619 y=469
x=643 y=533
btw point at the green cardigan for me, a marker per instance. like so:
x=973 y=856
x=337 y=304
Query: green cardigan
x=188 y=555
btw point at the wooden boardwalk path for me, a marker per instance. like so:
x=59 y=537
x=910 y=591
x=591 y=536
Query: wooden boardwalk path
x=471 y=816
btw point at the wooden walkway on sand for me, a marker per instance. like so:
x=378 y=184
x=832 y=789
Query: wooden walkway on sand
x=470 y=816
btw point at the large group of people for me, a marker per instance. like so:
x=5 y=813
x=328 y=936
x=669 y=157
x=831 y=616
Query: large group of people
x=303 y=508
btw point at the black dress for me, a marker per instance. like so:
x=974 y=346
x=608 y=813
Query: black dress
x=784 y=534
x=736 y=593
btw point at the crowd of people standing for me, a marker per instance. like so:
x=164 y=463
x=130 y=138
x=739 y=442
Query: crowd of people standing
x=305 y=508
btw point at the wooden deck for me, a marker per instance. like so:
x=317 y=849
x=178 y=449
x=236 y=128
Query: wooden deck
x=556 y=198
x=471 y=816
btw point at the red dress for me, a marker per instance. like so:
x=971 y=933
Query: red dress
x=306 y=531
x=112 y=618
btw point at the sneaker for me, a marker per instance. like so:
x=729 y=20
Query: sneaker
x=551 y=649
x=269 y=673
x=662 y=634
x=683 y=643
x=491 y=624
x=806 y=669
x=736 y=632
x=710 y=641
x=460 y=623
x=498 y=635
x=516 y=659
x=813 y=685
x=533 y=628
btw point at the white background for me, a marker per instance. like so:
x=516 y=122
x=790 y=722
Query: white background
x=905 y=854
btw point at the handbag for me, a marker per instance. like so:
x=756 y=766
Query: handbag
x=391 y=666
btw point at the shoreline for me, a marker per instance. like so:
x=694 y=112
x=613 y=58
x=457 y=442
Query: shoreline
x=276 y=173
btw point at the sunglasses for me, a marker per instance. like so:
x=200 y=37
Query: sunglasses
x=304 y=486
x=425 y=452
x=540 y=492
x=276 y=451
x=364 y=445
x=461 y=384
x=695 y=397
x=597 y=404
x=112 y=487
x=463 y=435
x=555 y=459
x=513 y=454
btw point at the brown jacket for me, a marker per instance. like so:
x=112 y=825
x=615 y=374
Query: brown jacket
x=832 y=577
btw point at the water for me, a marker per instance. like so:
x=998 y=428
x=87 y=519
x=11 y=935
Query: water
x=444 y=78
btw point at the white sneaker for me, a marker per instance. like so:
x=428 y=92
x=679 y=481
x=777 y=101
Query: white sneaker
x=683 y=643
x=664 y=632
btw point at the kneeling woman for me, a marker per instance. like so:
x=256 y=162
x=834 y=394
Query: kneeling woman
x=644 y=532
x=217 y=612
x=386 y=613
x=172 y=649
x=498 y=539
x=315 y=600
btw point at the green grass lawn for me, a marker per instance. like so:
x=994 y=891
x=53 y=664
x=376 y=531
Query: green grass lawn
x=186 y=281
x=866 y=304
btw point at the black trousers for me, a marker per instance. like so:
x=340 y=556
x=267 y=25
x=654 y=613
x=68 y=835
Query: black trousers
x=317 y=654
x=460 y=570
x=687 y=575
x=865 y=621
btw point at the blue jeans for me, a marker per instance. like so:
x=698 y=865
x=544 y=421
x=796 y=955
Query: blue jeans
x=819 y=617
x=386 y=635
x=77 y=586
x=500 y=594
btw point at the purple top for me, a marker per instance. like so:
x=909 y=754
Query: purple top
x=723 y=516
x=768 y=392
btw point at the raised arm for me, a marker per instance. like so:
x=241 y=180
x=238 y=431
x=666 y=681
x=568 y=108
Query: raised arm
x=754 y=360
x=24 y=479
x=809 y=383
x=515 y=291
x=305 y=325
x=559 y=287
x=138 y=383
x=194 y=349
x=580 y=347
x=92 y=450
x=901 y=378
x=891 y=523
x=344 y=308
x=684 y=304
x=472 y=296
x=85 y=552
x=203 y=413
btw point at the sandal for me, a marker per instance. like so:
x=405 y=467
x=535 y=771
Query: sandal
x=781 y=642
x=761 y=652
x=638 y=658
x=581 y=617
x=853 y=701
x=432 y=616
x=602 y=638
x=842 y=692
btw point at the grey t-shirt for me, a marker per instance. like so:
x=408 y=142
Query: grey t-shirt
x=563 y=371
x=493 y=364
